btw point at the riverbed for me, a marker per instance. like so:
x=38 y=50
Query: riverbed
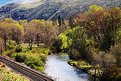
x=58 y=68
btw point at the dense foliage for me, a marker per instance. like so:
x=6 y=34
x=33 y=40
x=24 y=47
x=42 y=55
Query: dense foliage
x=93 y=36
x=96 y=40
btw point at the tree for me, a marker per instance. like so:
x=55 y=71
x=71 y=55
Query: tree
x=103 y=62
x=1 y=45
x=59 y=20
x=75 y=41
x=101 y=24
x=30 y=34
x=38 y=25
x=116 y=51
x=50 y=33
x=4 y=32
x=71 y=22
x=15 y=32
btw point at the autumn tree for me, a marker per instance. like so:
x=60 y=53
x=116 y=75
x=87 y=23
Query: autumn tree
x=30 y=34
x=101 y=24
x=1 y=45
x=50 y=34
x=45 y=31
x=76 y=19
x=11 y=30
x=4 y=32
x=116 y=51
x=38 y=29
x=16 y=32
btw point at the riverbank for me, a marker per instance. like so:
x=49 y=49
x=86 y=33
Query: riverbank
x=92 y=71
x=113 y=72
x=80 y=65
x=58 y=68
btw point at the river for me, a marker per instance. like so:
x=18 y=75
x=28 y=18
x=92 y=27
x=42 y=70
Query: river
x=58 y=68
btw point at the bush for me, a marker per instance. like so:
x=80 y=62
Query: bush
x=18 y=49
x=11 y=45
x=113 y=74
x=34 y=62
x=34 y=50
x=116 y=51
x=44 y=51
x=43 y=57
x=55 y=48
x=9 y=52
x=20 y=57
x=74 y=54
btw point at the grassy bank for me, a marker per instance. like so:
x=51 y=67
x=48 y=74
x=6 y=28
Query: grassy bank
x=8 y=75
x=81 y=64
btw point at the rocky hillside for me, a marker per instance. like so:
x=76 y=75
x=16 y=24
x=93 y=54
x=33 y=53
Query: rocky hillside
x=50 y=9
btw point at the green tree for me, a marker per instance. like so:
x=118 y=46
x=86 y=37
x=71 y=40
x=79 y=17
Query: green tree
x=101 y=24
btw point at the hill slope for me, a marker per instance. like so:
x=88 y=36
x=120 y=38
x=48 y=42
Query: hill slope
x=49 y=9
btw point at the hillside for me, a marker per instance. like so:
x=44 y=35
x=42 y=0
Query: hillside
x=50 y=9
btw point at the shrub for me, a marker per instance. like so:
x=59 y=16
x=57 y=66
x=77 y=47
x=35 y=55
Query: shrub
x=44 y=51
x=116 y=51
x=34 y=62
x=113 y=74
x=9 y=52
x=74 y=54
x=43 y=57
x=11 y=45
x=34 y=50
x=18 y=49
x=20 y=57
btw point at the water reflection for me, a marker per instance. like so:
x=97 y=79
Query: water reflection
x=60 y=70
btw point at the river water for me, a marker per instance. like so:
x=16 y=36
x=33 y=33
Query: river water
x=58 y=68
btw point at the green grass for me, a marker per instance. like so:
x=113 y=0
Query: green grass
x=81 y=64
x=84 y=66
x=8 y=75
